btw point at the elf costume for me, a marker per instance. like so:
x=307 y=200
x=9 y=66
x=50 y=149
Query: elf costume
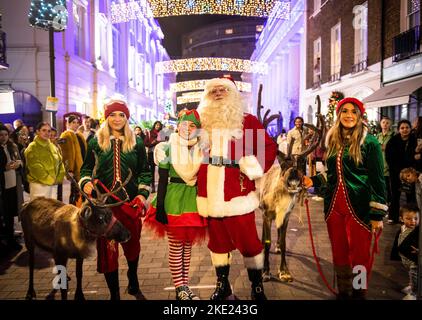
x=112 y=170
x=353 y=196
x=173 y=210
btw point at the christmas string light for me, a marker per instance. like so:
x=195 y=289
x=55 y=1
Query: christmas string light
x=200 y=85
x=211 y=64
x=125 y=11
x=190 y=97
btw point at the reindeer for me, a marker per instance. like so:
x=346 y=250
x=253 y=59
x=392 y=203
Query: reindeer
x=69 y=232
x=280 y=189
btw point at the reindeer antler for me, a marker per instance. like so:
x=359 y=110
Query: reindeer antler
x=267 y=119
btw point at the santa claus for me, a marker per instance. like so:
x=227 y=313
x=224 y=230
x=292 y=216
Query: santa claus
x=240 y=151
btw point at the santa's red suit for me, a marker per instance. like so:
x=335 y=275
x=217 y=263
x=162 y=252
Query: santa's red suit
x=226 y=190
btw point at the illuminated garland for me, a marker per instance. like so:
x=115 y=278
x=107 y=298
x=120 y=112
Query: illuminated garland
x=123 y=12
x=211 y=64
x=200 y=85
x=132 y=10
x=251 y=8
x=48 y=13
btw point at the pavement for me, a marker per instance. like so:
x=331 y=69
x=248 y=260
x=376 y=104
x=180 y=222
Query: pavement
x=387 y=279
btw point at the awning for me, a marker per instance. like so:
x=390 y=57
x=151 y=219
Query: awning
x=394 y=94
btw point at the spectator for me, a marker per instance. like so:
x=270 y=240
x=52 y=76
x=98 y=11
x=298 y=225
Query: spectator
x=73 y=148
x=383 y=137
x=44 y=165
x=11 y=186
x=399 y=154
x=152 y=139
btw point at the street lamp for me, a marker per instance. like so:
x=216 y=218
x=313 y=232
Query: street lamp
x=51 y=16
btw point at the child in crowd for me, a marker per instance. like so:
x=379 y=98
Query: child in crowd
x=406 y=247
x=410 y=176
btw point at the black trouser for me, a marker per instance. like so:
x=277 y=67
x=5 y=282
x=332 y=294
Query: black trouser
x=152 y=167
x=10 y=210
x=388 y=187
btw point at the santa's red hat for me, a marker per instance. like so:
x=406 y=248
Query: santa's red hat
x=226 y=81
x=116 y=105
x=354 y=101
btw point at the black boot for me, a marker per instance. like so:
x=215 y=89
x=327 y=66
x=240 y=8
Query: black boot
x=132 y=275
x=222 y=289
x=112 y=279
x=359 y=294
x=255 y=276
x=344 y=282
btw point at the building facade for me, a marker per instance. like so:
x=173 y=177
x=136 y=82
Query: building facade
x=400 y=93
x=341 y=54
x=282 y=46
x=94 y=60
x=362 y=48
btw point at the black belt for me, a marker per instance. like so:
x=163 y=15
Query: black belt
x=220 y=161
x=177 y=180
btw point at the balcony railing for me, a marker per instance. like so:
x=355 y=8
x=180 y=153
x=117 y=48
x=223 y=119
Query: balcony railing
x=360 y=66
x=406 y=44
x=335 y=77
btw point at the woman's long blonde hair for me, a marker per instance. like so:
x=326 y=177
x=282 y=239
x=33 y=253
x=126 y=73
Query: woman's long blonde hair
x=104 y=134
x=336 y=140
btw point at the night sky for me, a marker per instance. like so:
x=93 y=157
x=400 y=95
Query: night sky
x=174 y=27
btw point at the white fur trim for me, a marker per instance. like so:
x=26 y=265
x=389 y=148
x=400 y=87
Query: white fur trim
x=160 y=152
x=221 y=259
x=219 y=82
x=235 y=207
x=378 y=205
x=83 y=179
x=185 y=161
x=251 y=167
x=256 y=262
x=143 y=186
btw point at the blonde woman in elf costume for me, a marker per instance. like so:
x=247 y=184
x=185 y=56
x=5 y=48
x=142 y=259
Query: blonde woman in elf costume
x=355 y=194
x=119 y=150
x=174 y=209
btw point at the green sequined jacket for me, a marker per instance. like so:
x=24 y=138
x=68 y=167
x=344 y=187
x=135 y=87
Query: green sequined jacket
x=113 y=168
x=365 y=185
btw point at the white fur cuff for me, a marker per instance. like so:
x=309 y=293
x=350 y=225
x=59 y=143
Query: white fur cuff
x=256 y=262
x=250 y=166
x=378 y=205
x=160 y=152
x=221 y=259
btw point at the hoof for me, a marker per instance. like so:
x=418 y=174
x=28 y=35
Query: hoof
x=30 y=295
x=79 y=296
x=266 y=276
x=285 y=276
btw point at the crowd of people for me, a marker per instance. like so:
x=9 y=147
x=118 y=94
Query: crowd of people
x=206 y=191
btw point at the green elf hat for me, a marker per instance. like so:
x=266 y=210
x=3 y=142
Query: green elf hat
x=189 y=115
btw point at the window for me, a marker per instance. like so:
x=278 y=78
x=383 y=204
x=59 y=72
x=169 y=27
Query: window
x=317 y=61
x=116 y=56
x=360 y=25
x=79 y=13
x=335 y=51
x=228 y=31
x=413 y=13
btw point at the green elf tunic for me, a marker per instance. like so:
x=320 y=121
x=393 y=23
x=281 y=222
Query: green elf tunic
x=113 y=169
x=178 y=191
x=364 y=183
